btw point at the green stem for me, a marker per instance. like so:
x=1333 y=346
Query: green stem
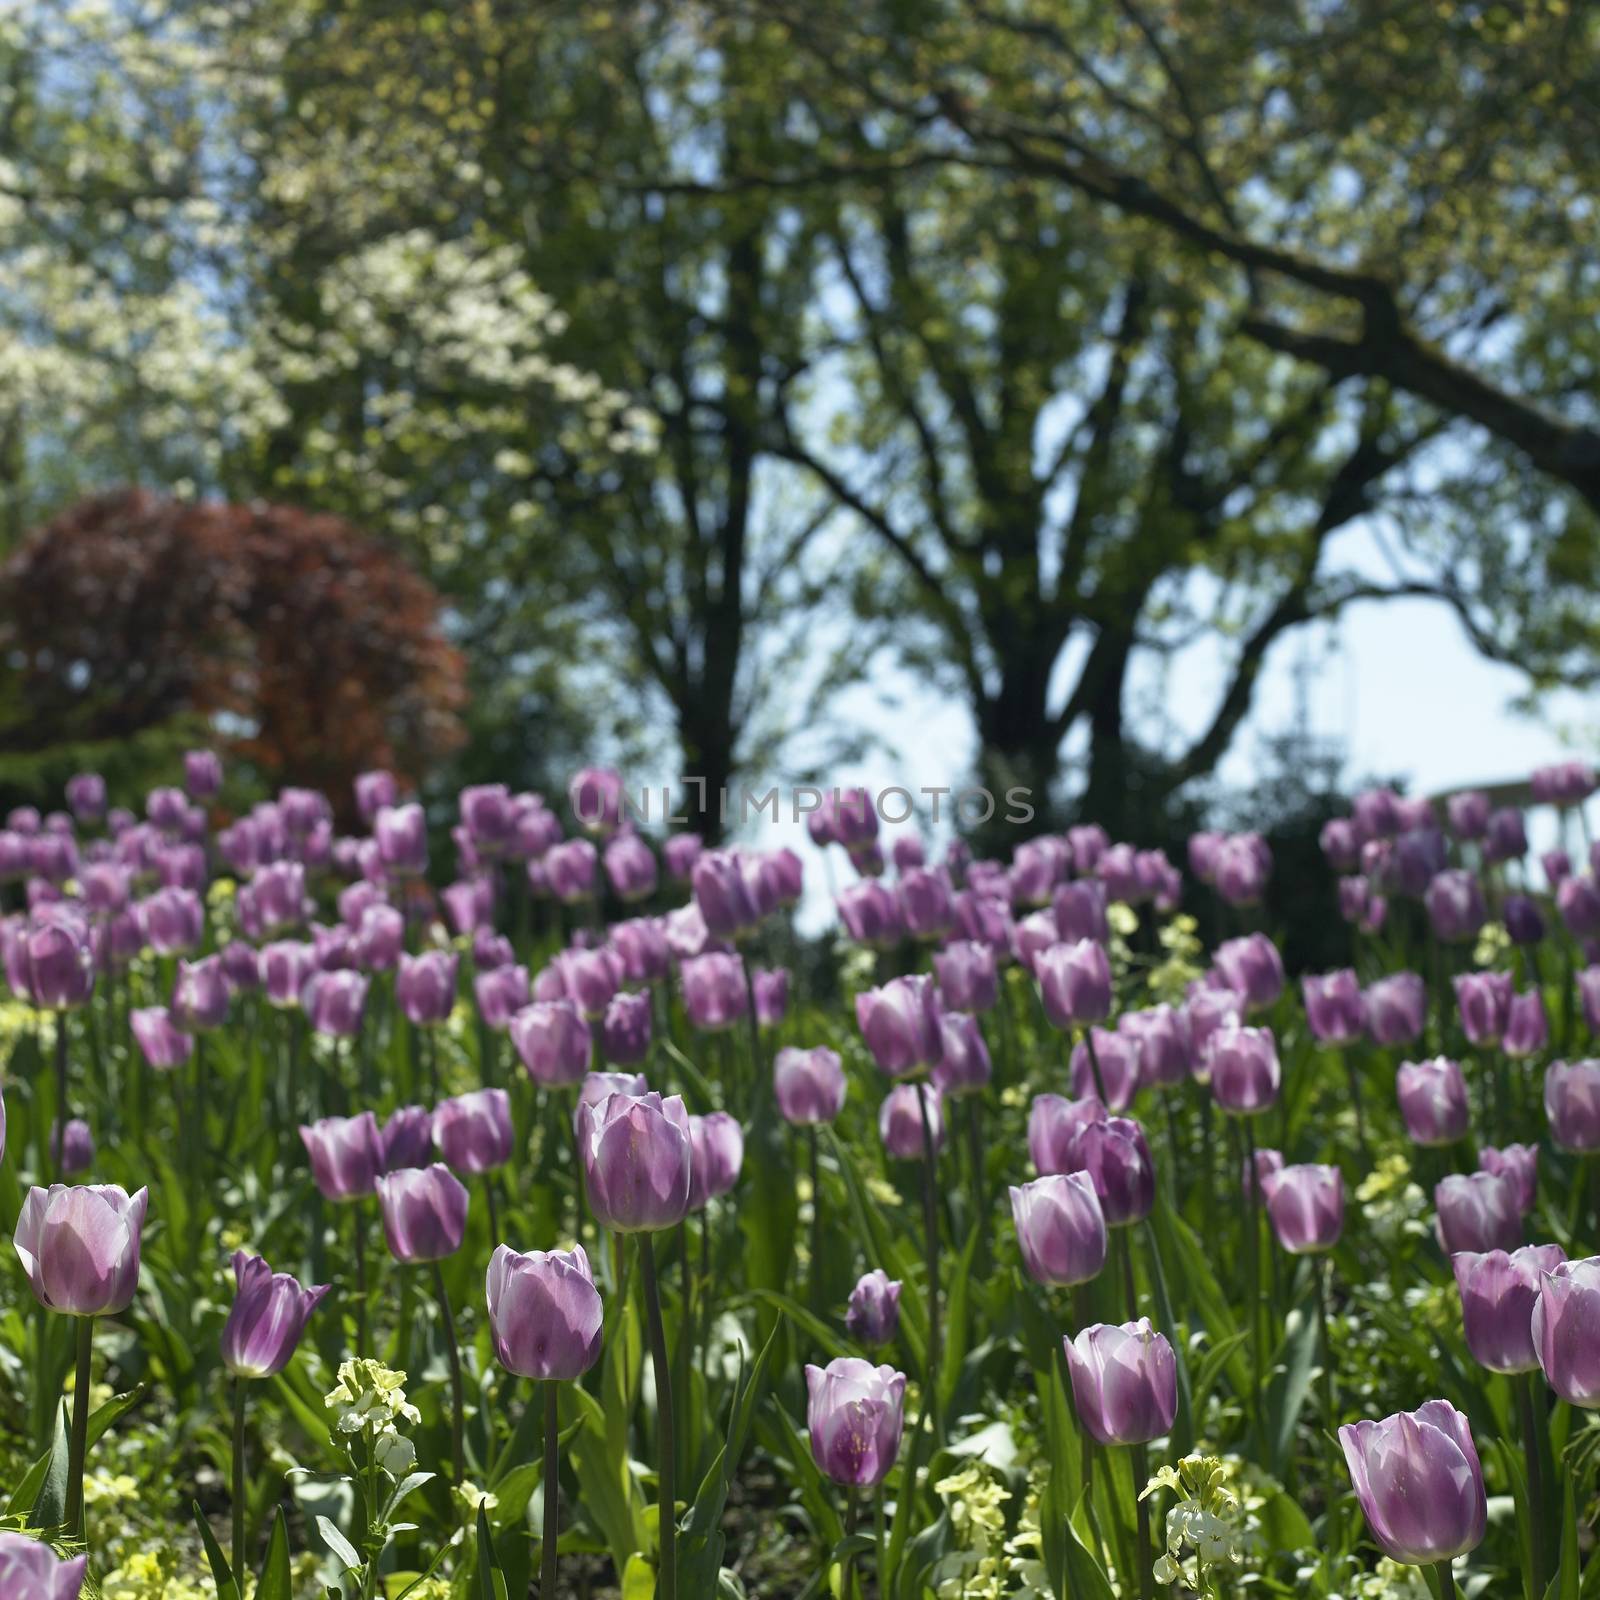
x=1447 y=1580
x=358 y=1224
x=552 y=1494
x=930 y=1228
x=458 y=1454
x=980 y=1174
x=1094 y=1065
x=1144 y=1554
x=59 y=1154
x=851 y=1512
x=814 y=1283
x=666 y=1444
x=1256 y=1341
x=1529 y=1391
x=238 y=1482
x=1330 y=1403
x=78 y=1444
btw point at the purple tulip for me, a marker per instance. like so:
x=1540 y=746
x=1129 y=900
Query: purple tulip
x=571 y=869
x=1567 y=783
x=473 y=1131
x=722 y=892
x=86 y=796
x=1433 y=1101
x=1086 y=843
x=202 y=774
x=589 y=977
x=630 y=867
x=402 y=837
x=424 y=1212
x=1340 y=843
x=595 y=795
x=1355 y=899
x=1118 y=1059
x=1557 y=865
x=164 y=1045
x=241 y=966
x=1419 y=1482
x=900 y=1023
x=686 y=933
x=1505 y=838
x=1589 y=995
x=1208 y=1013
x=1054 y=1128
x=1468 y=813
x=1484 y=1000
x=717 y=1153
x=1255 y=1176
x=1074 y=982
x=269 y=1314
x=714 y=996
x=870 y=913
x=200 y=995
x=1526 y=1032
x=1037 y=865
x=1417 y=857
x=872 y=1314
x=638 y=1161
x=31 y=1570
x=335 y=1002
x=1032 y=936
x=1454 y=902
x=374 y=791
x=1124 y=1382
x=640 y=945
x=964 y=1067
x=1498 y=1294
x=967 y=977
x=1563 y=1325
x=925 y=905
x=1518 y=1164
x=106 y=886
x=772 y=995
x=1252 y=968
x=855 y=1413
x=1306 y=1207
x=1476 y=1211
x=1117 y=1159
x=346 y=1155
x=681 y=851
x=900 y=1121
x=380 y=939
x=1578 y=901
x=1202 y=852
x=59 y=965
x=598 y=1087
x=407 y=1138
x=1335 y=1008
x=1061 y=1228
x=1245 y=1075
x=1243 y=865
x=501 y=993
x=425 y=987
x=1396 y=1008
x=79 y=1246
x=72 y=1147
x=625 y=1030
x=285 y=967
x=545 y=1315
x=907 y=853
x=1078 y=910
x=553 y=1041
x=809 y=1085
x=1572 y=1105
x=1118 y=870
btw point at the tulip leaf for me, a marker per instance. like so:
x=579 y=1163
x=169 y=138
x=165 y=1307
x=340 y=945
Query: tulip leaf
x=102 y=1417
x=50 y=1504
x=957 y=1322
x=1567 y=1583
x=610 y=1492
x=275 y=1582
x=491 y=1584
x=1286 y=1396
x=1086 y=1578
x=1181 y=1249
x=221 y=1572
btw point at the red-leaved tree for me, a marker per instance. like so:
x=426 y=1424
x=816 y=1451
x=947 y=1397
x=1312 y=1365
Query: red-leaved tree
x=316 y=649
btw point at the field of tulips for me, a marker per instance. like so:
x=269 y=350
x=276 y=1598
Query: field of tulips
x=576 y=1229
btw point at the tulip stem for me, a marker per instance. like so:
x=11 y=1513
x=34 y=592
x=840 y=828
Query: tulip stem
x=851 y=1511
x=980 y=1173
x=238 y=1482
x=1123 y=1243
x=358 y=1225
x=1447 y=1581
x=930 y=1228
x=1141 y=1511
x=453 y=1351
x=1528 y=1391
x=1353 y=1076
x=494 y=1209
x=78 y=1444
x=60 y=1152
x=814 y=1282
x=1330 y=1402
x=665 y=1444
x=552 y=1493
x=1094 y=1065
x=1256 y=1341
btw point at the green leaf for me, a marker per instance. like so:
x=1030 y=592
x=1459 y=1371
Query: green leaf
x=491 y=1580
x=639 y=1579
x=118 y=1406
x=1181 y=1249
x=339 y=1545
x=1286 y=1396
x=50 y=1504
x=275 y=1579
x=1565 y=1585
x=221 y=1572
x=1086 y=1578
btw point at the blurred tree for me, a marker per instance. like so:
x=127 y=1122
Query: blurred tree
x=310 y=648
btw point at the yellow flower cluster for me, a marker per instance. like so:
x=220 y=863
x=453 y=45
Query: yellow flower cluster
x=1208 y=1528
x=371 y=1396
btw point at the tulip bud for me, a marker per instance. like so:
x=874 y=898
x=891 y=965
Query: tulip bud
x=406 y=1139
x=1468 y=813
x=1419 y=1482
x=716 y=1155
x=772 y=995
x=163 y=1044
x=1207 y=1014
x=625 y=1031
x=1254 y=1176
x=1061 y=1228
x=285 y=968
x=1253 y=969
x=873 y=1312
x=424 y=1212
x=270 y=1312
x=1245 y=1075
x=501 y=993
x=346 y=1155
x=1335 y=1008
x=1306 y=1207
x=681 y=851
x=1124 y=1382
x=79 y=1246
x=637 y=1157
x=900 y=1023
x=72 y=1147
x=1054 y=1126
x=1162 y=1036
x=964 y=1067
x=473 y=1131
x=722 y=892
x=1523 y=919
x=855 y=1413
x=1242 y=867
x=871 y=914
x=1572 y=1105
x=200 y=995
x=1484 y=1000
x=1118 y=1059
x=1562 y=1325
x=714 y=996
x=1340 y=844
x=1396 y=1008
x=1477 y=1212
x=1505 y=838
x=1454 y=902
x=1527 y=1032
x=809 y=1085
x=86 y=796
x=374 y=791
x=925 y=904
x=1433 y=1101
x=595 y=795
x=335 y=1002
x=1498 y=1295
x=402 y=836
x=553 y=1041
x=900 y=1121
x=1117 y=1159
x=545 y=1315
x=1518 y=1164
x=31 y=1570
x=1074 y=982
x=425 y=987
x=631 y=868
